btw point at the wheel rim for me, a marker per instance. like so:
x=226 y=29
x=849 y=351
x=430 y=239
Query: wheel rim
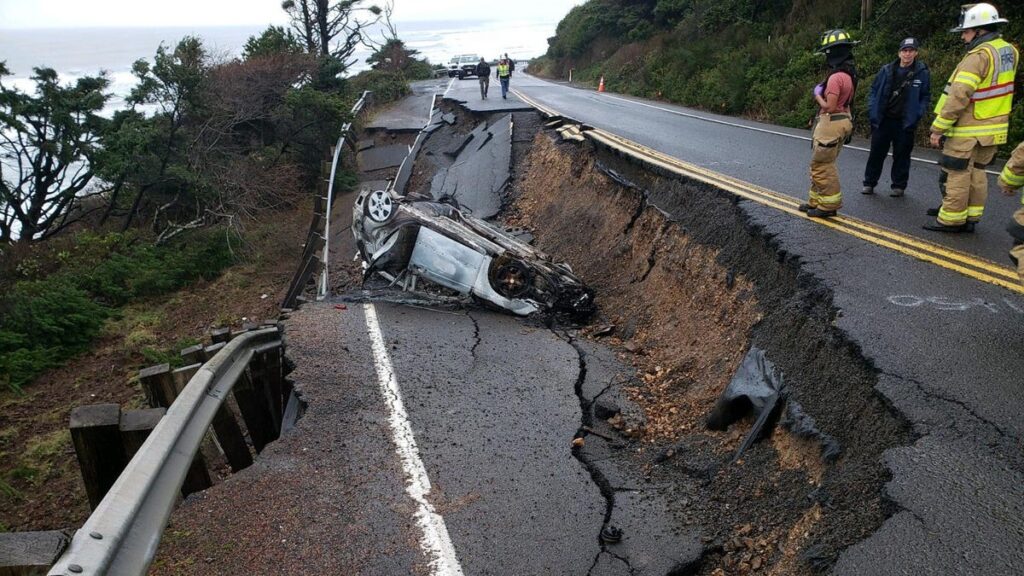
x=379 y=206
x=511 y=279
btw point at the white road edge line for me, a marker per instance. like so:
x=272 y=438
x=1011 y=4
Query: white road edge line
x=450 y=82
x=436 y=543
x=756 y=129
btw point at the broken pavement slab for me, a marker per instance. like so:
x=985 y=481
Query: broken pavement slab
x=410 y=114
x=480 y=172
x=381 y=157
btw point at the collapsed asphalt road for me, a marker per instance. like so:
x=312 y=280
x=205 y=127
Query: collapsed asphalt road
x=565 y=450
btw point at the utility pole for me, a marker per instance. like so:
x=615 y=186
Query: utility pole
x=865 y=12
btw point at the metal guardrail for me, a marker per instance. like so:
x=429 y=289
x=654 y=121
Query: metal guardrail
x=122 y=534
x=321 y=215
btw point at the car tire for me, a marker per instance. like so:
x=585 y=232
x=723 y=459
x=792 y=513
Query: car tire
x=380 y=207
x=509 y=277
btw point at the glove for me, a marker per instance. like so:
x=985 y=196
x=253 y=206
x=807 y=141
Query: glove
x=819 y=90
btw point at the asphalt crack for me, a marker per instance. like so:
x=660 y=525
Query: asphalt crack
x=924 y=389
x=597 y=477
x=476 y=335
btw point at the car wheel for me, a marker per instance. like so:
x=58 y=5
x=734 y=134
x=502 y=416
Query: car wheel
x=379 y=206
x=510 y=278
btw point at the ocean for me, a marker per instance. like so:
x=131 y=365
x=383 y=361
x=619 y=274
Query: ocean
x=77 y=52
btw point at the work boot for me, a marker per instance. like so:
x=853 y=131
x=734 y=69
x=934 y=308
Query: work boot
x=969 y=226
x=805 y=207
x=936 y=227
x=819 y=213
x=868 y=190
x=896 y=192
x=933 y=211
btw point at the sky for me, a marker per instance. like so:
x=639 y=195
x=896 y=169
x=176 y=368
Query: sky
x=20 y=14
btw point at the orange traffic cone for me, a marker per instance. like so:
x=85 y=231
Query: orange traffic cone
x=600 y=85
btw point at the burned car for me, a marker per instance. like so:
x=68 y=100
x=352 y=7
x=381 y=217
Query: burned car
x=404 y=240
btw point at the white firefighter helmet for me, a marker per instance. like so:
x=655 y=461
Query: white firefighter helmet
x=978 y=16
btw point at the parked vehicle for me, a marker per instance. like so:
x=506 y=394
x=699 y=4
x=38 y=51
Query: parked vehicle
x=404 y=241
x=467 y=65
x=453 y=67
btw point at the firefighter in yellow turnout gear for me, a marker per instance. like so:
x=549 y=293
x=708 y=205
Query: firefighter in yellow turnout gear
x=833 y=124
x=973 y=118
x=1011 y=180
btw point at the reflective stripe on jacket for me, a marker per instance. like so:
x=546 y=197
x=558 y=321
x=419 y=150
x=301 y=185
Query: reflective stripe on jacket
x=503 y=70
x=1013 y=173
x=977 y=100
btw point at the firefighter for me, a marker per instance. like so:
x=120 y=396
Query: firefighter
x=833 y=125
x=973 y=118
x=1011 y=180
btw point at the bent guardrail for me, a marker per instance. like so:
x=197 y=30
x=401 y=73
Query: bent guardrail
x=317 y=241
x=122 y=534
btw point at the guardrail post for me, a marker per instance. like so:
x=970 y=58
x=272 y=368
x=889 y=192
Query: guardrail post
x=265 y=368
x=31 y=553
x=198 y=477
x=193 y=354
x=218 y=335
x=225 y=426
x=255 y=411
x=97 y=439
x=158 y=386
x=135 y=427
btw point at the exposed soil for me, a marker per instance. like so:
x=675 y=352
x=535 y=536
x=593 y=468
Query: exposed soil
x=689 y=285
x=37 y=460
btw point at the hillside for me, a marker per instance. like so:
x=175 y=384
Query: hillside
x=749 y=57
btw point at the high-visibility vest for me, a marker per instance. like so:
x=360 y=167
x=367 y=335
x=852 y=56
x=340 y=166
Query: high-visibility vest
x=502 y=69
x=993 y=95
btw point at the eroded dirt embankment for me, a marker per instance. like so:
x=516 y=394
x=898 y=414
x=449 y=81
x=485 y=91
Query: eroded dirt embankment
x=691 y=284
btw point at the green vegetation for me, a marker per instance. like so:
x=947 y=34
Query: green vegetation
x=749 y=57
x=47 y=318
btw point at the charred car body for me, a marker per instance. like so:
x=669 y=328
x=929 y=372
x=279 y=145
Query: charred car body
x=403 y=240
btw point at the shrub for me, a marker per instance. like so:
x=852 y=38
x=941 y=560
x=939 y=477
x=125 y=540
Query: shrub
x=45 y=322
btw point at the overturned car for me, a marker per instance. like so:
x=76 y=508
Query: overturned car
x=403 y=240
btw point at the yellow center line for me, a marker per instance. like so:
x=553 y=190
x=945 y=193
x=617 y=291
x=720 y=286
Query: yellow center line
x=951 y=259
x=955 y=255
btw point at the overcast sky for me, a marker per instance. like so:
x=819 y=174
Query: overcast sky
x=132 y=13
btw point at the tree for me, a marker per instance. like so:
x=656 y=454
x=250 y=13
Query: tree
x=273 y=41
x=331 y=28
x=173 y=85
x=47 y=142
x=393 y=56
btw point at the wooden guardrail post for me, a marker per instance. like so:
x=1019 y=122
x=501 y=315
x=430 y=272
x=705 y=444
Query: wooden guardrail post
x=225 y=426
x=265 y=369
x=96 y=436
x=31 y=553
x=135 y=427
x=255 y=409
x=220 y=335
x=198 y=477
x=158 y=385
x=194 y=354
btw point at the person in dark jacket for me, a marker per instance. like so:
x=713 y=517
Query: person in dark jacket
x=898 y=99
x=483 y=72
